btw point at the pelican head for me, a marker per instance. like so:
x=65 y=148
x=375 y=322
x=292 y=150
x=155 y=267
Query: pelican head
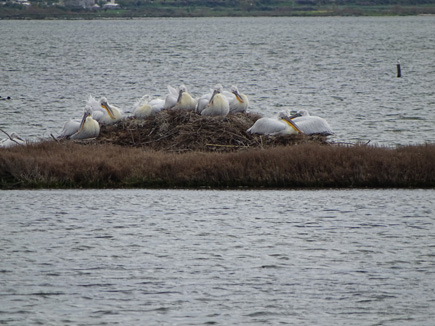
x=217 y=90
x=283 y=113
x=14 y=135
x=105 y=105
x=182 y=89
x=236 y=93
x=86 y=114
x=299 y=113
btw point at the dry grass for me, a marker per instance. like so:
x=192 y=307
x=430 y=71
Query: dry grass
x=182 y=149
x=72 y=165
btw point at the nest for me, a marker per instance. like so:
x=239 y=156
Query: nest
x=179 y=130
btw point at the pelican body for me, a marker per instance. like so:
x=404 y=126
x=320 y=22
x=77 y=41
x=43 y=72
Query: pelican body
x=217 y=105
x=145 y=108
x=274 y=127
x=12 y=141
x=311 y=125
x=89 y=128
x=180 y=99
x=86 y=128
x=239 y=102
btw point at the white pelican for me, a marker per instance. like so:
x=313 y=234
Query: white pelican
x=145 y=108
x=217 y=105
x=104 y=112
x=239 y=102
x=180 y=99
x=281 y=125
x=12 y=140
x=311 y=125
x=204 y=99
x=89 y=128
x=86 y=128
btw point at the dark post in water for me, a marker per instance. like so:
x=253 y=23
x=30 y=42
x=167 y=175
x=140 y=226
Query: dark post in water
x=399 y=72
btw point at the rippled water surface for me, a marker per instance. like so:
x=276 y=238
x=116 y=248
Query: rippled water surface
x=177 y=257
x=343 y=69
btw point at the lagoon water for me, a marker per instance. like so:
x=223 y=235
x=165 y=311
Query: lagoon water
x=204 y=257
x=340 y=68
x=186 y=257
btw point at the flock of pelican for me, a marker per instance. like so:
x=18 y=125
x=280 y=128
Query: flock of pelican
x=217 y=102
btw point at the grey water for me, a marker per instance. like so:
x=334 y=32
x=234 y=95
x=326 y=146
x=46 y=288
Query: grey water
x=205 y=257
x=339 y=68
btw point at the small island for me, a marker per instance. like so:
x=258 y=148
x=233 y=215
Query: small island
x=181 y=149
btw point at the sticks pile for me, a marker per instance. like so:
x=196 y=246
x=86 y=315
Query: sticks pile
x=177 y=130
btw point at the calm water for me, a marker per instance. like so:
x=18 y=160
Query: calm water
x=343 y=69
x=178 y=257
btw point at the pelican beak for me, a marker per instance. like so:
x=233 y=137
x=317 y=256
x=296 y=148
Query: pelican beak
x=212 y=96
x=292 y=124
x=109 y=110
x=238 y=97
x=85 y=115
x=180 y=94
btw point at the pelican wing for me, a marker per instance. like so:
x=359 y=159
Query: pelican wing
x=157 y=104
x=171 y=98
x=69 y=128
x=267 y=126
x=202 y=103
x=312 y=125
x=142 y=108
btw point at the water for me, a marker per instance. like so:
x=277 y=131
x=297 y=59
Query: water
x=343 y=69
x=179 y=257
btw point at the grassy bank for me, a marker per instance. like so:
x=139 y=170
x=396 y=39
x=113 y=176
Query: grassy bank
x=72 y=165
x=182 y=149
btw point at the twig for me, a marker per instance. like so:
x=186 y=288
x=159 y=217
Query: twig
x=219 y=145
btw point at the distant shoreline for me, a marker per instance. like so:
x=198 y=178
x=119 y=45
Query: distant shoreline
x=167 y=11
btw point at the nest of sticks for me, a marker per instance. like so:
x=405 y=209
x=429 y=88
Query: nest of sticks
x=178 y=130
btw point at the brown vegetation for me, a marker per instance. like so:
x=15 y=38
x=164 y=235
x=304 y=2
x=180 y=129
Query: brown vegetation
x=72 y=165
x=181 y=131
x=179 y=149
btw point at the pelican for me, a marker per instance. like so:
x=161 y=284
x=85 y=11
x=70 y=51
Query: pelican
x=157 y=104
x=104 y=112
x=89 y=128
x=12 y=140
x=217 y=105
x=311 y=125
x=204 y=99
x=180 y=99
x=145 y=108
x=239 y=101
x=281 y=125
x=86 y=128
